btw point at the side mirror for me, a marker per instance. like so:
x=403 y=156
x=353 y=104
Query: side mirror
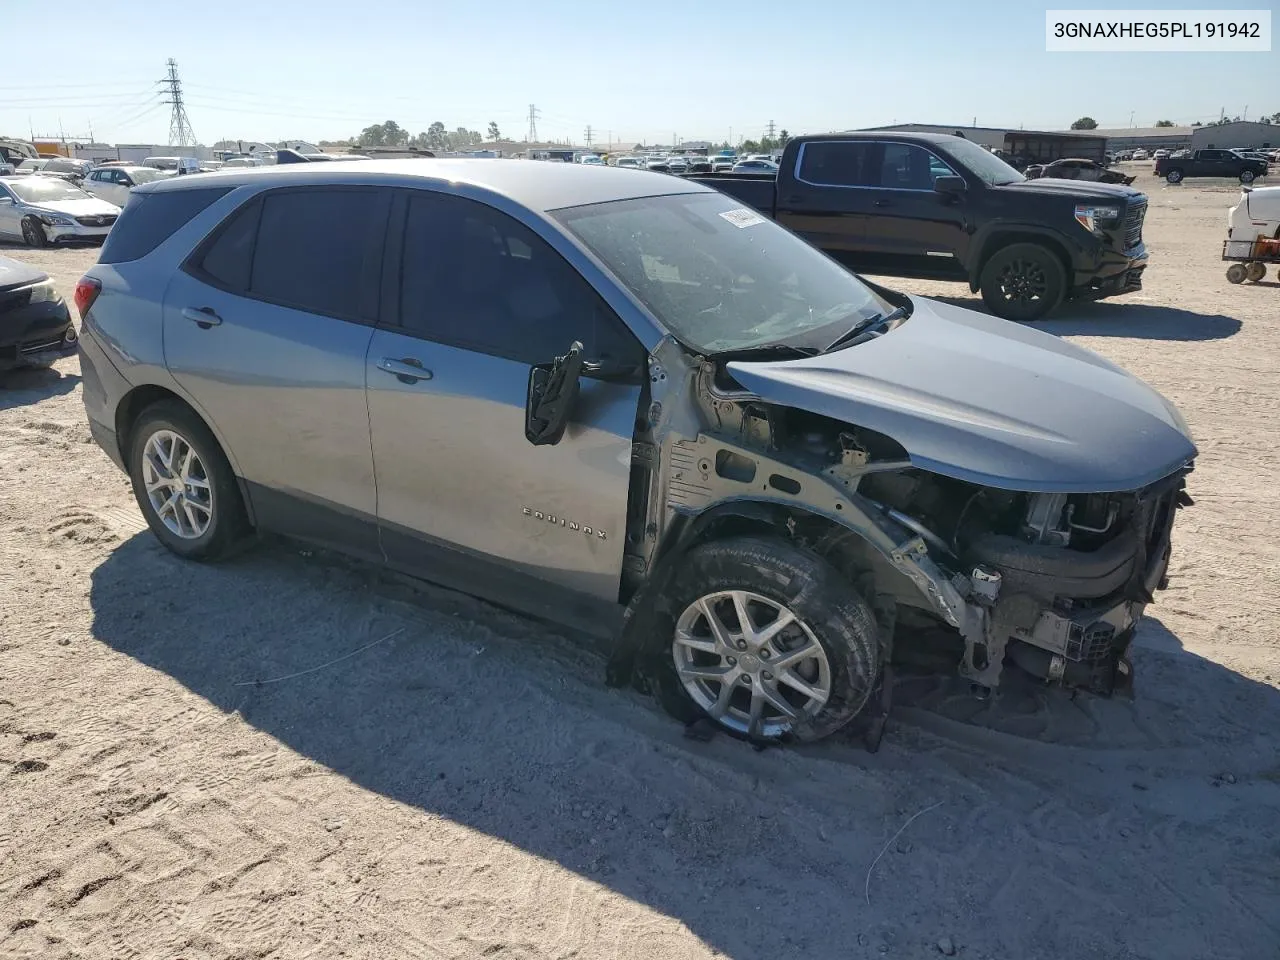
x=950 y=185
x=553 y=387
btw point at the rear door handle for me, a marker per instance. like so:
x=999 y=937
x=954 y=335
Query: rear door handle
x=883 y=203
x=203 y=317
x=404 y=369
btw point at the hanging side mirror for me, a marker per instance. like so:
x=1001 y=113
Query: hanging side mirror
x=553 y=387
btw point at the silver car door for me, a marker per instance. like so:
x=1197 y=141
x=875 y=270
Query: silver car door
x=10 y=215
x=482 y=297
x=267 y=326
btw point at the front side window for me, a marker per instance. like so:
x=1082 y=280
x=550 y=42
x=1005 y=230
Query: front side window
x=986 y=166
x=838 y=163
x=474 y=277
x=720 y=276
x=905 y=166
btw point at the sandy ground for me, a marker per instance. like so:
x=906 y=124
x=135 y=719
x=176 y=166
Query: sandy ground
x=469 y=788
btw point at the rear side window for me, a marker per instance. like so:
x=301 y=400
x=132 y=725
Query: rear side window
x=228 y=261
x=315 y=247
x=838 y=164
x=149 y=219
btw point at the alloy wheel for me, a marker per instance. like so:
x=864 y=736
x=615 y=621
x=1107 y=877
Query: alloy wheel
x=1023 y=281
x=750 y=662
x=177 y=485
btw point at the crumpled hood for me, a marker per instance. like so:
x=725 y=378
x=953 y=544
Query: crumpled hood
x=981 y=399
x=83 y=207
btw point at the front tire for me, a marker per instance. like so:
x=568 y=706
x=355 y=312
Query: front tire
x=1236 y=273
x=768 y=641
x=1247 y=176
x=1023 y=282
x=33 y=233
x=184 y=484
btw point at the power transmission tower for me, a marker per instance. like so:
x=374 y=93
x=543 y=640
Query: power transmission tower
x=533 y=124
x=180 y=132
x=770 y=129
x=587 y=134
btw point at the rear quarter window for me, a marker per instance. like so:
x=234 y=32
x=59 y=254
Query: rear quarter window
x=149 y=219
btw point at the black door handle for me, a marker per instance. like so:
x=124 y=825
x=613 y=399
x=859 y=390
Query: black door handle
x=883 y=203
x=404 y=369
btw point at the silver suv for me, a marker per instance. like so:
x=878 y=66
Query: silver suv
x=627 y=403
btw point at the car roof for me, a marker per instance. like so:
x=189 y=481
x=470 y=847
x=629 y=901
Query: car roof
x=531 y=183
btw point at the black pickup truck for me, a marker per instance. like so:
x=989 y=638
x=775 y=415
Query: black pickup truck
x=1211 y=163
x=943 y=208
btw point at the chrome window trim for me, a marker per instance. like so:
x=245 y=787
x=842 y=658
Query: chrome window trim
x=847 y=186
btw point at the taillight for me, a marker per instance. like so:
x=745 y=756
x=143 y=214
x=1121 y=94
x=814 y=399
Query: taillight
x=87 y=290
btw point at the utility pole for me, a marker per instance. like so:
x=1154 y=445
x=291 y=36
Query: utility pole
x=587 y=135
x=180 y=132
x=532 y=136
x=771 y=127
x=1131 y=113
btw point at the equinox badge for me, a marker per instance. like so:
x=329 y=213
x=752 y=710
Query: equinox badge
x=563 y=522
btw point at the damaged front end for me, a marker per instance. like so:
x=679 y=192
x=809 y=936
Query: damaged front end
x=1061 y=594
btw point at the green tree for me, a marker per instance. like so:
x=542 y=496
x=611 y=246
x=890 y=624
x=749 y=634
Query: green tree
x=371 y=136
x=437 y=138
x=1085 y=123
x=750 y=146
x=783 y=138
x=1164 y=123
x=494 y=133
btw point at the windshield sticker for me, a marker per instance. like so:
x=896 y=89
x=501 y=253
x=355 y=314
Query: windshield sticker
x=742 y=217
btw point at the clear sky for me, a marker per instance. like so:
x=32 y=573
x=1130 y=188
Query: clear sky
x=639 y=70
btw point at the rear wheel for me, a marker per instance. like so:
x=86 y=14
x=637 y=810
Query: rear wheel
x=1023 y=282
x=769 y=640
x=1236 y=273
x=1174 y=176
x=184 y=484
x=33 y=233
x=1255 y=271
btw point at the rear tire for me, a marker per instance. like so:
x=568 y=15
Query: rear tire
x=809 y=678
x=33 y=233
x=1023 y=282
x=1173 y=176
x=1236 y=273
x=1255 y=271
x=207 y=520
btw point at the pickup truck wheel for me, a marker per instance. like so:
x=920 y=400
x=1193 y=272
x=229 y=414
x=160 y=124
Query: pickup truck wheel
x=1247 y=176
x=1022 y=282
x=769 y=641
x=1174 y=176
x=184 y=484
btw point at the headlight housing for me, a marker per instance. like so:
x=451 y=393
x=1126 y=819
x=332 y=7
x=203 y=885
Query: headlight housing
x=1095 y=219
x=44 y=292
x=56 y=220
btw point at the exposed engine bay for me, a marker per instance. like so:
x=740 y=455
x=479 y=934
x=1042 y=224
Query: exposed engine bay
x=1053 y=583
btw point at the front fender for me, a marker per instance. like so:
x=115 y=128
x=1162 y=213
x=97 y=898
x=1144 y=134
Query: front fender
x=996 y=234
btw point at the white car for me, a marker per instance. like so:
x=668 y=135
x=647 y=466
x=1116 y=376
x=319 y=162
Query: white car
x=1140 y=155
x=632 y=163
x=755 y=165
x=40 y=210
x=722 y=164
x=114 y=183
x=1161 y=155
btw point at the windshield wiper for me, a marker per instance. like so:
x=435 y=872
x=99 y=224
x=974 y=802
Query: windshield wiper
x=862 y=326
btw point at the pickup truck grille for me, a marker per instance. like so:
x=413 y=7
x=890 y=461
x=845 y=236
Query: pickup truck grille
x=1133 y=224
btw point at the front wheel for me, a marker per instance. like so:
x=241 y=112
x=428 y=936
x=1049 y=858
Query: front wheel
x=1236 y=273
x=1255 y=271
x=769 y=640
x=184 y=484
x=1174 y=176
x=1247 y=176
x=33 y=233
x=1023 y=282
